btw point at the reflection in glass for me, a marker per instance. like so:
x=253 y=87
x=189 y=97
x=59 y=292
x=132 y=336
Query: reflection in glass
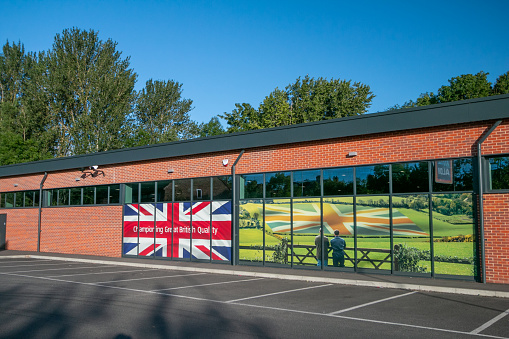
x=372 y=179
x=29 y=199
x=462 y=177
x=251 y=186
x=251 y=230
x=338 y=215
x=19 y=199
x=222 y=187
x=183 y=189
x=75 y=196
x=306 y=226
x=278 y=230
x=164 y=191
x=9 y=200
x=410 y=219
x=373 y=232
x=306 y=183
x=63 y=197
x=114 y=197
x=453 y=232
x=278 y=185
x=148 y=193
x=499 y=173
x=410 y=177
x=338 y=181
x=89 y=195
x=201 y=189
x=101 y=195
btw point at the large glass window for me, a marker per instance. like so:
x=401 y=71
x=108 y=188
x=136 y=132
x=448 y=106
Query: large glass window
x=148 y=192
x=164 y=191
x=251 y=186
x=131 y=193
x=222 y=187
x=9 y=200
x=411 y=230
x=63 y=197
x=453 y=175
x=19 y=199
x=29 y=199
x=88 y=195
x=251 y=230
x=278 y=231
x=201 y=189
x=307 y=217
x=278 y=185
x=76 y=196
x=410 y=177
x=306 y=183
x=101 y=195
x=114 y=194
x=372 y=179
x=338 y=181
x=338 y=215
x=499 y=173
x=453 y=232
x=183 y=190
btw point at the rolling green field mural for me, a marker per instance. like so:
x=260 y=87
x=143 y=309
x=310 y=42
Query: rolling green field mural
x=270 y=229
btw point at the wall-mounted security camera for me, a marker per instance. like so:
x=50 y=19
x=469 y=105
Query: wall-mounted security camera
x=95 y=167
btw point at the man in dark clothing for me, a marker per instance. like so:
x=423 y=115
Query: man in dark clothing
x=338 y=245
x=318 y=243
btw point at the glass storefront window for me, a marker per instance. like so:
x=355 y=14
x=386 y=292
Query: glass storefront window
x=411 y=230
x=183 y=190
x=222 y=187
x=164 y=191
x=338 y=181
x=307 y=221
x=148 y=192
x=101 y=195
x=410 y=177
x=88 y=195
x=114 y=197
x=338 y=215
x=499 y=173
x=201 y=189
x=278 y=185
x=76 y=196
x=251 y=186
x=278 y=231
x=251 y=230
x=462 y=175
x=131 y=193
x=453 y=232
x=372 y=179
x=306 y=183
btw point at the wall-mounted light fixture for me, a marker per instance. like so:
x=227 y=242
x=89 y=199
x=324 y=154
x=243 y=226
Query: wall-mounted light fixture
x=171 y=170
x=352 y=154
x=77 y=179
x=225 y=162
x=15 y=185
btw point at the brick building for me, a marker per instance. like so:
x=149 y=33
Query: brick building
x=407 y=190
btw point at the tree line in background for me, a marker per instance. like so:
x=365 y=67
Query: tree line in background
x=78 y=97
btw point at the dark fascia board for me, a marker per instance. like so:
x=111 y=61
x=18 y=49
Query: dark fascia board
x=474 y=110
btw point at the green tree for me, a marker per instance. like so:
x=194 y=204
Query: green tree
x=305 y=100
x=502 y=84
x=88 y=89
x=211 y=128
x=162 y=114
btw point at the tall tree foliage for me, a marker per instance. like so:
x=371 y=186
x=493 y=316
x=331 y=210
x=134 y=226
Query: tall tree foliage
x=465 y=86
x=162 y=114
x=305 y=100
x=88 y=89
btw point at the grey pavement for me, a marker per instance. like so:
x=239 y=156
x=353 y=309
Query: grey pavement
x=411 y=283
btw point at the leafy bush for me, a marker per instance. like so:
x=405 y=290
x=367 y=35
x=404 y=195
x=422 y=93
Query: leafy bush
x=407 y=259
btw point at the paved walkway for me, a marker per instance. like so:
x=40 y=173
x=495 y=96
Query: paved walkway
x=334 y=277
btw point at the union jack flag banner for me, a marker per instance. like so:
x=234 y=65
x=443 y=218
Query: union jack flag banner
x=370 y=220
x=179 y=230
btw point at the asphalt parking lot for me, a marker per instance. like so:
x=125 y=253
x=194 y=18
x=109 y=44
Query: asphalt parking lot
x=48 y=298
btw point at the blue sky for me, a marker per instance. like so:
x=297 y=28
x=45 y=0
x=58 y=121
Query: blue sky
x=227 y=52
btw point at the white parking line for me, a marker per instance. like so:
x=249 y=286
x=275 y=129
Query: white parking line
x=218 y=283
x=370 y=303
x=268 y=307
x=59 y=269
x=35 y=264
x=489 y=323
x=282 y=292
x=167 y=276
x=72 y=275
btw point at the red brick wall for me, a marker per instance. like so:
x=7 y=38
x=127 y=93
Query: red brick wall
x=82 y=230
x=496 y=234
x=21 y=228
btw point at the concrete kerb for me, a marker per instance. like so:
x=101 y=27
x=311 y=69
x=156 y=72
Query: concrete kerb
x=338 y=281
